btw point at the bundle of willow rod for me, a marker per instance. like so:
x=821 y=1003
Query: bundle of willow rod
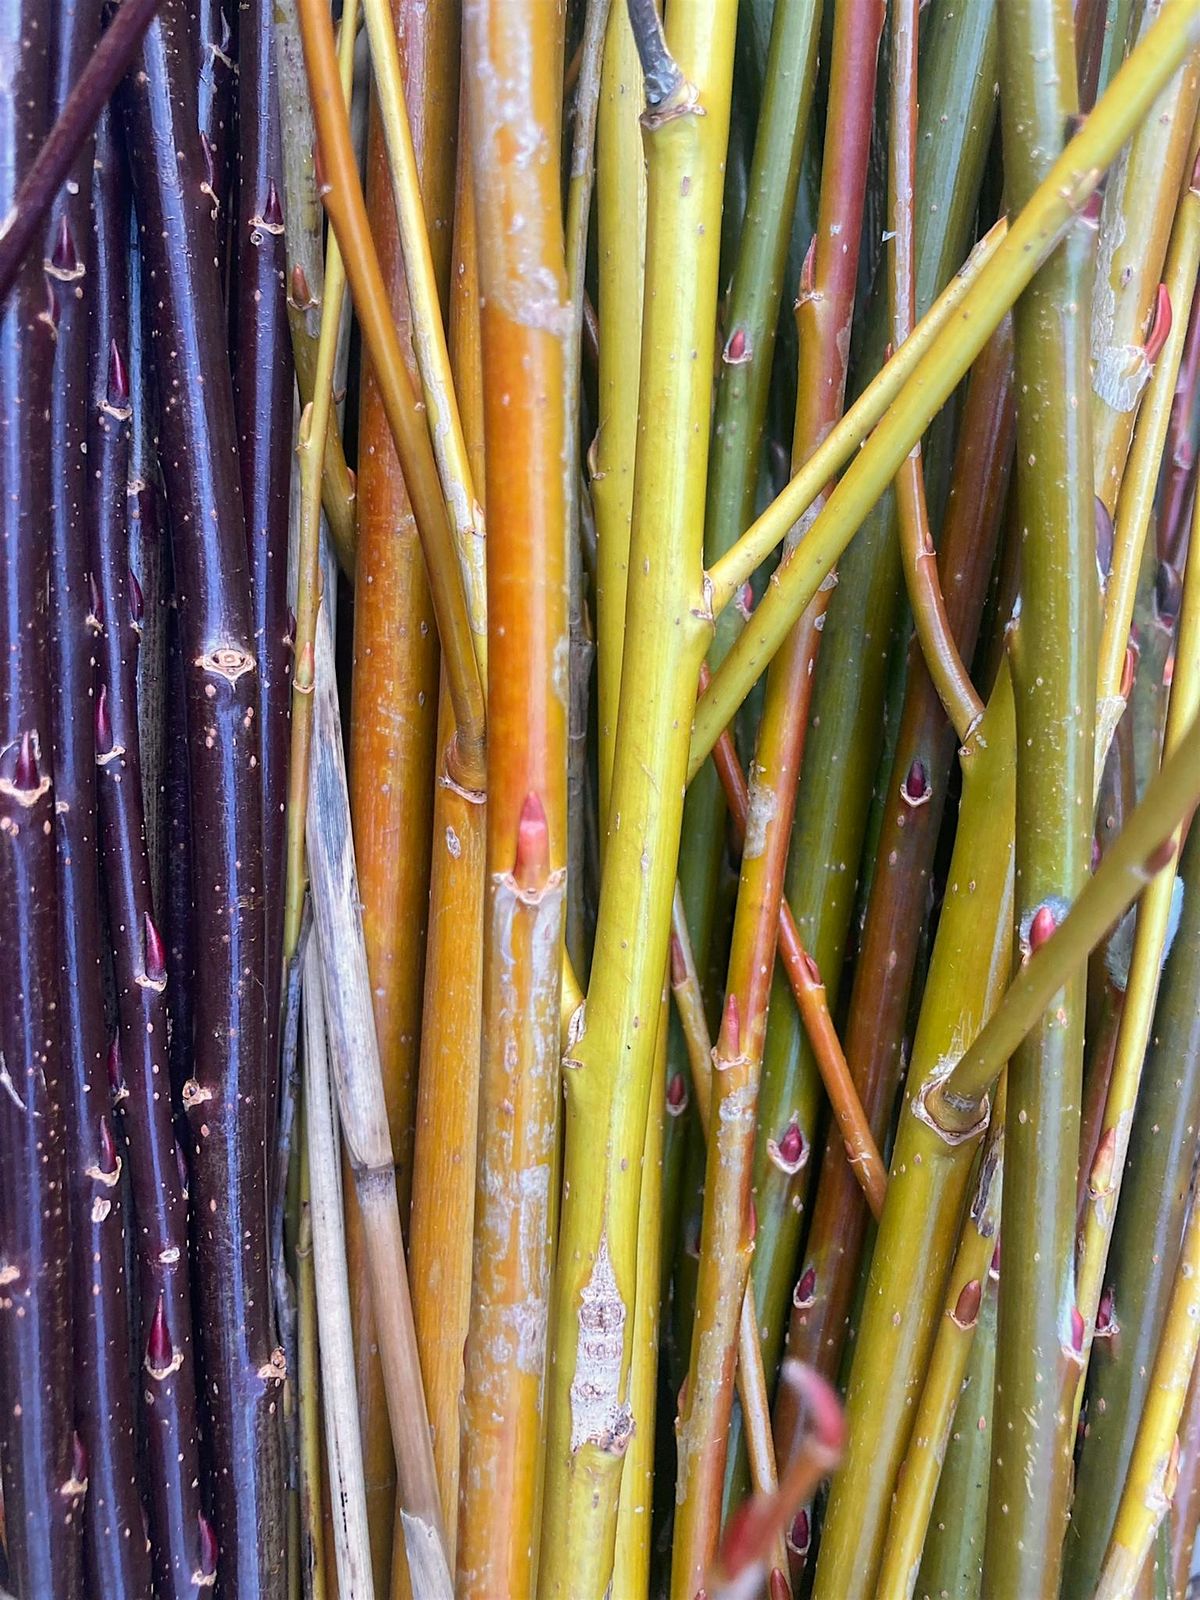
x=599 y=921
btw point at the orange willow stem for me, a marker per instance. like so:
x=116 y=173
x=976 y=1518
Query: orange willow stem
x=393 y=722
x=808 y=991
x=513 y=104
x=443 y=1199
x=347 y=214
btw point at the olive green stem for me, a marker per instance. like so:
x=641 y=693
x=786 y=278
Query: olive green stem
x=1029 y=241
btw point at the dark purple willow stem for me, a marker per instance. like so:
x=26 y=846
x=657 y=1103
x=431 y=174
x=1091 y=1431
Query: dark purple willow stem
x=263 y=382
x=216 y=101
x=167 y=1375
x=115 y=1551
x=39 y=1456
x=223 y=1098
x=41 y=182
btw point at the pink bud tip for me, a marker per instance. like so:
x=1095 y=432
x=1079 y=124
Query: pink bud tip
x=800 y=1533
x=156 y=955
x=104 y=733
x=116 y=1076
x=735 y=350
x=79 y=1459
x=26 y=775
x=966 y=1307
x=678 y=964
x=1160 y=324
x=805 y=1291
x=729 y=1042
x=791 y=1144
x=1041 y=928
x=272 y=211
x=778 y=1587
x=1076 y=1330
x=808 y=271
x=915 y=788
x=108 y=1147
x=160 y=1352
x=208 y=1546
x=676 y=1093
x=118 y=376
x=531 y=867
x=137 y=600
x=64 y=258
x=812 y=970
x=745 y=600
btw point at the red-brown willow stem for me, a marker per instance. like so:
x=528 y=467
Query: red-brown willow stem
x=1052 y=645
x=263 y=381
x=167 y=1357
x=224 y=1097
x=918 y=559
x=38 y=1456
x=26 y=210
x=116 y=1553
x=920 y=776
x=513 y=107
x=852 y=1131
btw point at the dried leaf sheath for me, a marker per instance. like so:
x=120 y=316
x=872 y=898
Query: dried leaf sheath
x=37 y=1457
x=513 y=111
x=166 y=1357
x=224 y=1097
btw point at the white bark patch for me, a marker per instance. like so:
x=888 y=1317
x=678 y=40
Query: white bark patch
x=759 y=815
x=9 y=1086
x=598 y=1414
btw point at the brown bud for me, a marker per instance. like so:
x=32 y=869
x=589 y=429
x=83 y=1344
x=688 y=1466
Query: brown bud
x=966 y=1307
x=805 y=1291
x=116 y=1076
x=737 y=350
x=678 y=964
x=26 y=777
x=677 y=1096
x=1105 y=1326
x=778 y=1587
x=1104 y=538
x=64 y=258
x=729 y=1040
x=1100 y=1179
x=800 y=1533
x=160 y=1352
x=916 y=788
x=108 y=1146
x=272 y=211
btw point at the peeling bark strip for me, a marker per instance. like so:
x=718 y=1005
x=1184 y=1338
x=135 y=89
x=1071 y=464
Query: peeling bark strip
x=117 y=1554
x=169 y=1410
x=599 y=1415
x=36 y=1455
x=200 y=464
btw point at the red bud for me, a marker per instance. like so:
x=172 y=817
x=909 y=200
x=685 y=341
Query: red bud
x=1160 y=324
x=531 y=867
x=805 y=1291
x=156 y=955
x=118 y=376
x=1041 y=927
x=208 y=1547
x=160 y=1352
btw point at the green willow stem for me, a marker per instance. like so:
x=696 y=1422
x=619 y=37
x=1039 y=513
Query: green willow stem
x=609 y=1070
x=1029 y=241
x=954 y=1103
x=930 y=1174
x=1052 y=650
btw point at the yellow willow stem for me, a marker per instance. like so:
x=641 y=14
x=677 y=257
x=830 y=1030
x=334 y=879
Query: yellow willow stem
x=1145 y=970
x=1150 y=1486
x=917 y=1482
x=1135 y=504
x=609 y=1071
x=621 y=249
x=313 y=434
x=512 y=84
x=1029 y=241
x=428 y=328
x=631 y=1562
